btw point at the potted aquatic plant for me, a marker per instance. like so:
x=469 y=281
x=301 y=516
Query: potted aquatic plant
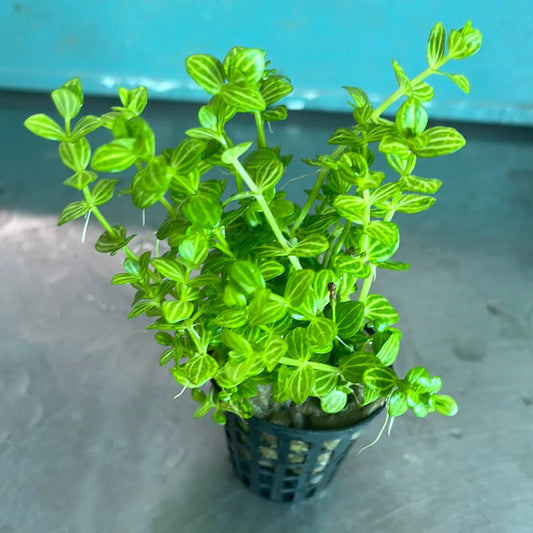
x=264 y=308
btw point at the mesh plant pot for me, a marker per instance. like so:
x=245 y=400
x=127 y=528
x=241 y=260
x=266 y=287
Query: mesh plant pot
x=285 y=464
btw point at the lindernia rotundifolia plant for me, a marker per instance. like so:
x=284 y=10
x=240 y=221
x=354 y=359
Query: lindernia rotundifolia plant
x=249 y=288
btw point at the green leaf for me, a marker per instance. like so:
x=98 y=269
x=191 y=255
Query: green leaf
x=274 y=350
x=207 y=117
x=123 y=279
x=385 y=192
x=200 y=369
x=457 y=46
x=236 y=342
x=394 y=144
x=349 y=264
x=151 y=184
x=298 y=284
x=247 y=276
x=435 y=47
x=382 y=380
x=67 y=103
x=166 y=357
x=325 y=382
x=334 y=402
x=274 y=88
x=233 y=296
x=414 y=203
x=132 y=266
x=389 y=350
x=75 y=155
x=186 y=157
x=321 y=332
x=281 y=208
x=204 y=134
x=140 y=308
x=370 y=396
x=232 y=318
x=349 y=318
x=271 y=269
x=176 y=311
x=298 y=345
x=73 y=211
x=398 y=403
x=354 y=367
x=169 y=268
x=401 y=164
x=268 y=174
x=378 y=307
x=393 y=265
x=411 y=118
x=116 y=156
x=401 y=76
x=103 y=191
x=323 y=289
x=203 y=211
x=137 y=100
x=359 y=97
x=310 y=246
x=219 y=417
x=440 y=140
x=385 y=232
x=247 y=64
x=44 y=126
x=346 y=136
x=202 y=409
x=243 y=98
x=113 y=243
x=419 y=378
x=352 y=208
x=423 y=92
x=460 y=80
x=445 y=405
x=231 y=155
x=301 y=384
x=194 y=249
x=74 y=86
x=274 y=114
x=264 y=310
x=237 y=371
x=423 y=185
x=472 y=37
x=207 y=71
x=377 y=251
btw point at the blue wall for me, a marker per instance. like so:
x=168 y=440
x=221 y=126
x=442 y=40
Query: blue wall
x=320 y=45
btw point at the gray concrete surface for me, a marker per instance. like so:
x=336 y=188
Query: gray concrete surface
x=91 y=439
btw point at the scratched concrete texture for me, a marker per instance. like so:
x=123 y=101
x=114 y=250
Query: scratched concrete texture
x=91 y=438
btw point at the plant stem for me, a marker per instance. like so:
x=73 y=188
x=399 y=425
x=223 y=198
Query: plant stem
x=364 y=249
x=317 y=366
x=336 y=246
x=103 y=221
x=168 y=206
x=258 y=195
x=223 y=245
x=367 y=283
x=365 y=288
x=261 y=140
x=398 y=93
x=315 y=191
x=195 y=338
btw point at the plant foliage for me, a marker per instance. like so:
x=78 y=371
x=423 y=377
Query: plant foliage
x=252 y=288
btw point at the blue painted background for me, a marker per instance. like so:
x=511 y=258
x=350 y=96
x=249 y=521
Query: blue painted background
x=320 y=45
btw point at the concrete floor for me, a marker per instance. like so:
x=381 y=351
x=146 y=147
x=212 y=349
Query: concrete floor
x=91 y=439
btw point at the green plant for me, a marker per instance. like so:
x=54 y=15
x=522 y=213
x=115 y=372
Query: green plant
x=250 y=288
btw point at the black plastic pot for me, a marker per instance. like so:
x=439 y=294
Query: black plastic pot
x=284 y=464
